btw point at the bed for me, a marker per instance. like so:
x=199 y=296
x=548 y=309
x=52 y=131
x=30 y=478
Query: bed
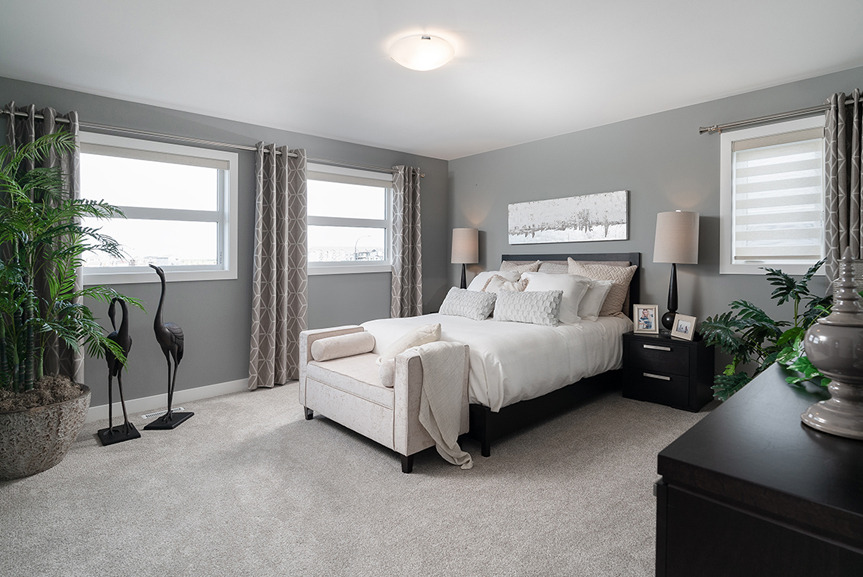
x=512 y=385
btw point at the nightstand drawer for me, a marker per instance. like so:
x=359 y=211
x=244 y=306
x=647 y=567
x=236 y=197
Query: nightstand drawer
x=662 y=388
x=662 y=356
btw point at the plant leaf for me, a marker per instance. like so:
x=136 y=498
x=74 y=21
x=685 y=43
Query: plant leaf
x=726 y=385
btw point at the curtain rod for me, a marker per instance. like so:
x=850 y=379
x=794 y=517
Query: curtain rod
x=811 y=111
x=108 y=128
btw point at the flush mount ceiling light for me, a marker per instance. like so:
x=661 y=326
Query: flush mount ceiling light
x=422 y=52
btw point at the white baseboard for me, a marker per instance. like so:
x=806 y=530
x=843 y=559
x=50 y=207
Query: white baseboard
x=145 y=404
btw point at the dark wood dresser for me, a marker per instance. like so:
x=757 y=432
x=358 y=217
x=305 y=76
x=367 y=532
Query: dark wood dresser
x=751 y=491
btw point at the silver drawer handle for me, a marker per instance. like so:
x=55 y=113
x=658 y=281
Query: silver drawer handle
x=657 y=348
x=660 y=377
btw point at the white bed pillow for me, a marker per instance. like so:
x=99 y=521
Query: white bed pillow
x=476 y=305
x=572 y=286
x=480 y=280
x=414 y=338
x=342 y=346
x=538 y=308
x=594 y=298
x=497 y=283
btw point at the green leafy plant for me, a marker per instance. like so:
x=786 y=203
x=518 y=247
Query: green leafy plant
x=42 y=244
x=750 y=335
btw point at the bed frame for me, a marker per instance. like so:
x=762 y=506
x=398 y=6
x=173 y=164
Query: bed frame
x=486 y=426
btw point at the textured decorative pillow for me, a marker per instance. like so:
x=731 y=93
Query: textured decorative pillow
x=591 y=304
x=620 y=276
x=418 y=336
x=476 y=305
x=497 y=283
x=480 y=280
x=342 y=346
x=572 y=286
x=510 y=265
x=538 y=308
x=623 y=263
x=554 y=267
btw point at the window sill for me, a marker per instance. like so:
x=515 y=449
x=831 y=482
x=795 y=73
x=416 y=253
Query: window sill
x=758 y=269
x=328 y=269
x=149 y=276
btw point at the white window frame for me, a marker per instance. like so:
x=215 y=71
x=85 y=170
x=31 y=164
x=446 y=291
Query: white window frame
x=353 y=176
x=226 y=268
x=726 y=215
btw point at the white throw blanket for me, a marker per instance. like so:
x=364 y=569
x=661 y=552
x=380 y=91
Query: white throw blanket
x=441 y=398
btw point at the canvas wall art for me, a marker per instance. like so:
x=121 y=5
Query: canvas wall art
x=588 y=217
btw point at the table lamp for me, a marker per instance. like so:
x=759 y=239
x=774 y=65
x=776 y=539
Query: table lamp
x=465 y=249
x=676 y=243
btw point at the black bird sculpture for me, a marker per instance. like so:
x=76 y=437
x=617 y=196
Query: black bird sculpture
x=127 y=430
x=170 y=338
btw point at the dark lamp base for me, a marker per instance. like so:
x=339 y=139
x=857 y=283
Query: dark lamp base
x=668 y=319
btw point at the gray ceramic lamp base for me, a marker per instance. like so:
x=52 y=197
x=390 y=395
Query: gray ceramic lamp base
x=841 y=415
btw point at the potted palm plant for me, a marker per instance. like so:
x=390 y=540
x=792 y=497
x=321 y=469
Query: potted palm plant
x=42 y=244
x=751 y=337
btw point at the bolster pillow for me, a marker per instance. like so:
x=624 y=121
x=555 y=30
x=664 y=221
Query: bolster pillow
x=387 y=373
x=342 y=346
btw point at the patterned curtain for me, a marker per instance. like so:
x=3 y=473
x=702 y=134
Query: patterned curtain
x=280 y=287
x=59 y=358
x=407 y=296
x=843 y=190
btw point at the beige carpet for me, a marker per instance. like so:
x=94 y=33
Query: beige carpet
x=248 y=487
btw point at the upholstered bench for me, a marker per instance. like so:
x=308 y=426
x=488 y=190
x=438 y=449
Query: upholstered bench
x=349 y=390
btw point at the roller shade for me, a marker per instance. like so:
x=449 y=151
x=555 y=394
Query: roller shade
x=349 y=176
x=778 y=198
x=153 y=156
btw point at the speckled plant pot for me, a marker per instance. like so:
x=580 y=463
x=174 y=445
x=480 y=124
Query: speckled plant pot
x=34 y=440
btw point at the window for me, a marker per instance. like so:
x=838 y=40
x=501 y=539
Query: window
x=349 y=220
x=180 y=206
x=772 y=197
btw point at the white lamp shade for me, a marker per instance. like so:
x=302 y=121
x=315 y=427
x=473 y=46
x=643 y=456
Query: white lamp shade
x=422 y=52
x=676 y=237
x=465 y=246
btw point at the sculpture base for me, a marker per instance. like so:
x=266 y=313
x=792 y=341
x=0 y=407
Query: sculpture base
x=168 y=421
x=118 y=434
x=840 y=415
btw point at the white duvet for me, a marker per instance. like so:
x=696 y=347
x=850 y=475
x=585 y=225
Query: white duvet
x=511 y=362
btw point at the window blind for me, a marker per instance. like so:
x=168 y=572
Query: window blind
x=349 y=176
x=153 y=156
x=778 y=198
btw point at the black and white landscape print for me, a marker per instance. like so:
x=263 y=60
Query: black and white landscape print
x=600 y=216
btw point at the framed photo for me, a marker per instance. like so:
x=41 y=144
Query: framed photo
x=645 y=319
x=684 y=327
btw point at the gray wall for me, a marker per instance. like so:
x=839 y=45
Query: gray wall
x=665 y=164
x=216 y=315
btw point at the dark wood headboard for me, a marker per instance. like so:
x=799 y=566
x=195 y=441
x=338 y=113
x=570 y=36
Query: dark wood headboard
x=634 y=258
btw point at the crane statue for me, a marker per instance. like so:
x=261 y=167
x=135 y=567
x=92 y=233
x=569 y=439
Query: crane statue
x=126 y=431
x=170 y=338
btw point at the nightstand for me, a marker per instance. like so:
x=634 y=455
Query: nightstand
x=673 y=372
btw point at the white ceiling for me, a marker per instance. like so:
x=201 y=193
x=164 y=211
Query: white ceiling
x=523 y=71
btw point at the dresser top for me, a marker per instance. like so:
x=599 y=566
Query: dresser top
x=754 y=451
